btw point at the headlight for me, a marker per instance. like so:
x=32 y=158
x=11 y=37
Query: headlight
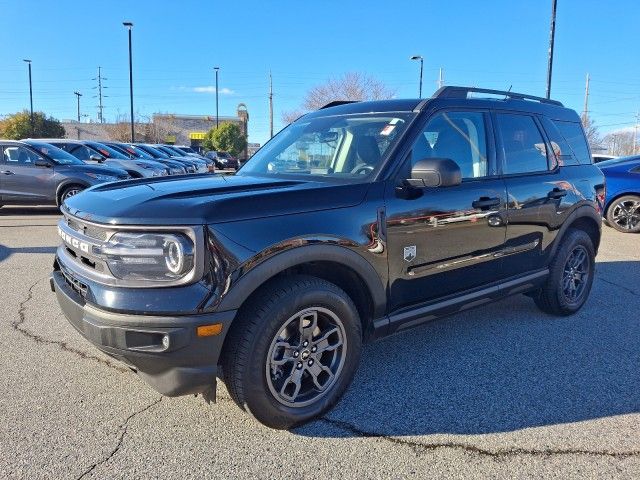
x=148 y=256
x=102 y=177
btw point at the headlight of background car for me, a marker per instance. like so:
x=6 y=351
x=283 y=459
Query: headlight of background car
x=102 y=177
x=148 y=256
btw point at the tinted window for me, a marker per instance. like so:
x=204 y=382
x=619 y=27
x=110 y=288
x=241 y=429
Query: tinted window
x=18 y=155
x=522 y=144
x=459 y=136
x=561 y=153
x=81 y=152
x=573 y=134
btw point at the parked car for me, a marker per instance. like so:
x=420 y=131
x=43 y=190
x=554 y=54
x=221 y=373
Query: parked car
x=223 y=159
x=357 y=221
x=135 y=153
x=202 y=165
x=36 y=173
x=191 y=165
x=89 y=151
x=622 y=207
x=600 y=157
x=176 y=151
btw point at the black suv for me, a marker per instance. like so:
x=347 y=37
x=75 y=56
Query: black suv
x=37 y=173
x=355 y=222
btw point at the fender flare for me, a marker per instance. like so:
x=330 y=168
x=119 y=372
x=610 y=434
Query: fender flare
x=249 y=281
x=65 y=184
x=583 y=211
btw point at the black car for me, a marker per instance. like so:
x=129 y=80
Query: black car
x=357 y=221
x=36 y=173
x=190 y=166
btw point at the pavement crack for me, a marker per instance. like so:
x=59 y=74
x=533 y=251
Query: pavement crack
x=18 y=325
x=123 y=429
x=623 y=287
x=499 y=454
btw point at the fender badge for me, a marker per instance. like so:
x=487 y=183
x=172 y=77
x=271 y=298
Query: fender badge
x=409 y=253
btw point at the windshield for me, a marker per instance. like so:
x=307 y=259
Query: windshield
x=107 y=151
x=56 y=154
x=136 y=151
x=166 y=150
x=187 y=149
x=154 y=152
x=349 y=147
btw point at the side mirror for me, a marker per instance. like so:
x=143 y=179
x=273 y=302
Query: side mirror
x=435 y=172
x=97 y=158
x=41 y=162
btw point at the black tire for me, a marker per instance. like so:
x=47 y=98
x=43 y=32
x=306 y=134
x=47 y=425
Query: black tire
x=624 y=214
x=68 y=192
x=249 y=347
x=555 y=296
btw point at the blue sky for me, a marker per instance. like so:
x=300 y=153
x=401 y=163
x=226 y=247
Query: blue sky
x=493 y=44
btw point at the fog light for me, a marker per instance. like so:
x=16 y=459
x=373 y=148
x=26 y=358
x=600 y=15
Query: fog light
x=165 y=341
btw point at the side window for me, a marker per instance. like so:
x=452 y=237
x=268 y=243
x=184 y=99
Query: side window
x=460 y=136
x=522 y=144
x=573 y=134
x=561 y=154
x=19 y=155
x=80 y=152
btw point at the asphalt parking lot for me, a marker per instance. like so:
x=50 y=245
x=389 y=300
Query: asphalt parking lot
x=502 y=392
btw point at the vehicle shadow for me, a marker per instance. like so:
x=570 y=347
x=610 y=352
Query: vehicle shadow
x=6 y=252
x=500 y=368
x=44 y=210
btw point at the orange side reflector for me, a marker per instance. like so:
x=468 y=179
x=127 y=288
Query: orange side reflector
x=209 y=330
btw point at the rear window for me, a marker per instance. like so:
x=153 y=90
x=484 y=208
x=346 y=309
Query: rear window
x=562 y=153
x=574 y=135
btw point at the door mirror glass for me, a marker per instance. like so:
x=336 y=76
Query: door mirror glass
x=41 y=162
x=96 y=158
x=435 y=172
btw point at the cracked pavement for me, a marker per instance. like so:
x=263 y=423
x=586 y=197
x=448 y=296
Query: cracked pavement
x=503 y=391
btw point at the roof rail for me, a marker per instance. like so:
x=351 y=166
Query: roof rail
x=463 y=92
x=335 y=103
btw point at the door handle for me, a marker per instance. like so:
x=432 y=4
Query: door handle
x=7 y=172
x=557 y=193
x=486 y=202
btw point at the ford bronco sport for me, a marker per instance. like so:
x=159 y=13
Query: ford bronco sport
x=359 y=220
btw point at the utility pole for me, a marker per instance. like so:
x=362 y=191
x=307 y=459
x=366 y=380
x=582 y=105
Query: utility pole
x=100 y=78
x=270 y=104
x=30 y=96
x=129 y=27
x=78 y=95
x=635 y=133
x=552 y=35
x=217 y=118
x=440 y=78
x=585 y=111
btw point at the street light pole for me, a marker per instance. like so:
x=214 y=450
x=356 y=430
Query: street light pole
x=216 y=69
x=78 y=95
x=552 y=35
x=419 y=57
x=30 y=95
x=129 y=26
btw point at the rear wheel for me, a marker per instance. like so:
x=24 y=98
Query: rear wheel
x=570 y=276
x=624 y=214
x=293 y=351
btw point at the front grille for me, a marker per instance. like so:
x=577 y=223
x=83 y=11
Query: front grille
x=87 y=229
x=75 y=284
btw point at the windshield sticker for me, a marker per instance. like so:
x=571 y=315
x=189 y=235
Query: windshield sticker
x=387 y=130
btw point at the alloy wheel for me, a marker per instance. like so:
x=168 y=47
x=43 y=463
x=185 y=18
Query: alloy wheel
x=576 y=274
x=626 y=214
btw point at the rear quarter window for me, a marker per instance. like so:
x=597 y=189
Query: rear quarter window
x=574 y=135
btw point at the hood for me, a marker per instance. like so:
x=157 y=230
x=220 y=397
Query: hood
x=624 y=163
x=208 y=199
x=100 y=168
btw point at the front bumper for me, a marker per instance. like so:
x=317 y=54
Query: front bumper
x=186 y=364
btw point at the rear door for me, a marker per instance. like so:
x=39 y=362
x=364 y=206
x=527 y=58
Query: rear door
x=540 y=197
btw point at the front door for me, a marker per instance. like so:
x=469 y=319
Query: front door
x=447 y=239
x=23 y=181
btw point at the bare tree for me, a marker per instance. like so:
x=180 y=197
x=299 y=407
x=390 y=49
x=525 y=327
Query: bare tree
x=592 y=132
x=619 y=143
x=350 y=86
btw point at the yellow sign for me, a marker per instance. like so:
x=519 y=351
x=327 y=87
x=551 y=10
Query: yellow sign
x=170 y=139
x=197 y=135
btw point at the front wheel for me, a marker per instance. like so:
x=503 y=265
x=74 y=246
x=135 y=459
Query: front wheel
x=570 y=276
x=70 y=192
x=624 y=214
x=293 y=351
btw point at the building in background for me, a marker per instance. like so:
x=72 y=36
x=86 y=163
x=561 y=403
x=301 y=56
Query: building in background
x=252 y=148
x=170 y=128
